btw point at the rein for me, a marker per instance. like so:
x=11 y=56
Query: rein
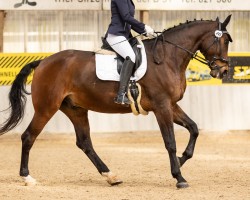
x=193 y=55
x=218 y=34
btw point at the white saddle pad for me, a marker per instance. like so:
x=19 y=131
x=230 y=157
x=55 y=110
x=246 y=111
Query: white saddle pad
x=106 y=66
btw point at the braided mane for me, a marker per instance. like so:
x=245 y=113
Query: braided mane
x=187 y=22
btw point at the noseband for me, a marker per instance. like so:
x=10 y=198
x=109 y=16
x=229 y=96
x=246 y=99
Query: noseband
x=211 y=64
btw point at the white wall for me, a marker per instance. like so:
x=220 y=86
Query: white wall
x=211 y=107
x=52 y=31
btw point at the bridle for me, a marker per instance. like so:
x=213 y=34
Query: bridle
x=211 y=64
x=217 y=36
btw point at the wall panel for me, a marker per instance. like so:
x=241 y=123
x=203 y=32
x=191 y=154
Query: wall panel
x=51 y=31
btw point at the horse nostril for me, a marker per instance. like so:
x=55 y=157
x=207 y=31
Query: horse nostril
x=224 y=73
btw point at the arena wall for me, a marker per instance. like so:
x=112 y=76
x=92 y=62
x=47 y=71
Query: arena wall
x=212 y=107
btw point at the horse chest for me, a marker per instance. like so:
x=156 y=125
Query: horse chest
x=177 y=93
x=176 y=89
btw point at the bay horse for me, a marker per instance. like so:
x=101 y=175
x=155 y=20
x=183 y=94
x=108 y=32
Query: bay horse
x=67 y=81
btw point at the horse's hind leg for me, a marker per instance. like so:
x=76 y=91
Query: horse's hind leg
x=181 y=118
x=79 y=118
x=28 y=138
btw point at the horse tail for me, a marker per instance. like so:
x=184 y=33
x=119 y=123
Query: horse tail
x=17 y=98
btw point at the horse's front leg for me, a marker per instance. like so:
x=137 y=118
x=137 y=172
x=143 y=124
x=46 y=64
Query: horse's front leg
x=181 y=118
x=164 y=116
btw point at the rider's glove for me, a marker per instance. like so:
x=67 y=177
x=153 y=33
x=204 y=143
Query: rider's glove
x=149 y=31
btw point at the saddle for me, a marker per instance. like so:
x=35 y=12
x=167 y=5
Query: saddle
x=134 y=88
x=135 y=44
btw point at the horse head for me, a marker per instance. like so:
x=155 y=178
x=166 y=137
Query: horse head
x=215 y=49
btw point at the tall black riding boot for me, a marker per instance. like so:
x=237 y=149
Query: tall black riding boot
x=125 y=75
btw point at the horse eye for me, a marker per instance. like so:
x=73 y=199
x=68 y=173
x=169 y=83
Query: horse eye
x=226 y=42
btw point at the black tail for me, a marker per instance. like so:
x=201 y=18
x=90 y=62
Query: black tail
x=17 y=98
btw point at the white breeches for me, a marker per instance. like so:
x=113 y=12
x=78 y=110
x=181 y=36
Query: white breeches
x=121 y=45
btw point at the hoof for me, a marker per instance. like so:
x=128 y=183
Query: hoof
x=111 y=178
x=116 y=182
x=182 y=185
x=29 y=181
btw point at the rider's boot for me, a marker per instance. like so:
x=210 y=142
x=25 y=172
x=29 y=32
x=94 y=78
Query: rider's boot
x=125 y=75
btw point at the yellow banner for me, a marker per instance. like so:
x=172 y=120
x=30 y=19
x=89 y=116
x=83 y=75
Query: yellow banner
x=198 y=73
x=12 y=63
x=239 y=71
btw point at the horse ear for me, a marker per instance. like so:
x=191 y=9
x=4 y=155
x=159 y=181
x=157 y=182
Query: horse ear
x=227 y=20
x=217 y=19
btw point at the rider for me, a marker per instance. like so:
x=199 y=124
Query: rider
x=118 y=34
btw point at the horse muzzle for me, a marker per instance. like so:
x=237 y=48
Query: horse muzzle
x=219 y=68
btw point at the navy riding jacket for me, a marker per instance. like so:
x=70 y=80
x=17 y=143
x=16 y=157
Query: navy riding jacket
x=122 y=19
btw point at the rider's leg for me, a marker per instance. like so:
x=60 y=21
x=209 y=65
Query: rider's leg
x=124 y=49
x=121 y=46
x=125 y=75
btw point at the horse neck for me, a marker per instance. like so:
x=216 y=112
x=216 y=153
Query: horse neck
x=189 y=37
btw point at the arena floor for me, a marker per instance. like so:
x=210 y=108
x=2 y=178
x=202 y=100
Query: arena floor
x=219 y=170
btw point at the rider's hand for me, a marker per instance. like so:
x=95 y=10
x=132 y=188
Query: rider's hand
x=149 y=31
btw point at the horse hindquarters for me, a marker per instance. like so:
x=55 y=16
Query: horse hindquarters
x=46 y=104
